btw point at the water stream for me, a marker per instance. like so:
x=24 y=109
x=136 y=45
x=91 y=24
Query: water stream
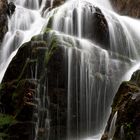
x=94 y=71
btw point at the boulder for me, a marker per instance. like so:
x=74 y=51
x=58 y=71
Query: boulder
x=126 y=105
x=23 y=93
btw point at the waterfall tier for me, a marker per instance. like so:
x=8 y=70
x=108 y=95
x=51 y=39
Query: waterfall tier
x=63 y=64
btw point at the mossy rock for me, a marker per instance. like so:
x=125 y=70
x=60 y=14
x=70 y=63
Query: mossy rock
x=37 y=59
x=5 y=122
x=127 y=105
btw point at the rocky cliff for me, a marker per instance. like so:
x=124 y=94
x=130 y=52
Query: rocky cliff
x=19 y=89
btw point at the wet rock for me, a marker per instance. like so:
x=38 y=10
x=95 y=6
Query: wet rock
x=57 y=3
x=96 y=30
x=104 y=137
x=3 y=18
x=50 y=5
x=22 y=131
x=127 y=7
x=19 y=89
x=100 y=29
x=18 y=92
x=127 y=105
x=11 y=8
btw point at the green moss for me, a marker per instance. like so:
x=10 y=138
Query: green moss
x=50 y=22
x=3 y=136
x=1 y=86
x=129 y=130
x=125 y=87
x=14 y=95
x=47 y=30
x=38 y=37
x=6 y=120
x=53 y=46
x=34 y=38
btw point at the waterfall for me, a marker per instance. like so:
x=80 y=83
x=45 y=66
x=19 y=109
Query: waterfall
x=122 y=136
x=112 y=126
x=94 y=69
x=23 y=24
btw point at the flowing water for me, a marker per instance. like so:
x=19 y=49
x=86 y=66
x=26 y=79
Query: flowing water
x=112 y=126
x=24 y=23
x=94 y=70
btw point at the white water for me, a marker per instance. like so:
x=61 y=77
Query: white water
x=122 y=136
x=23 y=24
x=98 y=72
x=113 y=126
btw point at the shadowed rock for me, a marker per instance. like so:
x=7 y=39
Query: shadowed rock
x=11 y=8
x=127 y=105
x=18 y=93
x=3 y=18
x=127 y=7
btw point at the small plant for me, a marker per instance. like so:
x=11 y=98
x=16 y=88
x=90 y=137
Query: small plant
x=129 y=131
x=6 y=120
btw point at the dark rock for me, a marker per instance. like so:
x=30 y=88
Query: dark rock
x=22 y=131
x=127 y=7
x=18 y=99
x=104 y=137
x=3 y=18
x=127 y=105
x=136 y=77
x=97 y=29
x=100 y=29
x=11 y=8
x=57 y=3
x=40 y=60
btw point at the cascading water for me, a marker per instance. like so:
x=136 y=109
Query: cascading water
x=23 y=24
x=97 y=72
x=94 y=69
x=112 y=126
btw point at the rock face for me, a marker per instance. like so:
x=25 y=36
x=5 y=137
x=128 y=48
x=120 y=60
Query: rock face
x=22 y=92
x=3 y=18
x=5 y=11
x=127 y=7
x=127 y=105
x=100 y=31
x=95 y=30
